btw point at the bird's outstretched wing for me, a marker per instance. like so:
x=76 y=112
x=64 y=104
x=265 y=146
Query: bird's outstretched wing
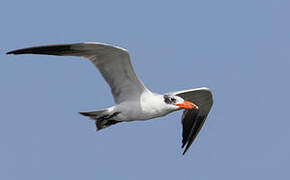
x=113 y=63
x=192 y=120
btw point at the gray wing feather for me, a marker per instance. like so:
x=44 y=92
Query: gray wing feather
x=193 y=120
x=113 y=63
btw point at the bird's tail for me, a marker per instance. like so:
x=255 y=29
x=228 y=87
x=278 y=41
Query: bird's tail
x=102 y=118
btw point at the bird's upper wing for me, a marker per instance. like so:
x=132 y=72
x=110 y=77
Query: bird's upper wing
x=192 y=120
x=113 y=63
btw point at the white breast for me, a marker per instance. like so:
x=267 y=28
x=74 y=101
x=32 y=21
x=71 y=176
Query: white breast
x=149 y=106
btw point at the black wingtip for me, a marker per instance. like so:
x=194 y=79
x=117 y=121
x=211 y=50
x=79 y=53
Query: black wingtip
x=59 y=49
x=187 y=147
x=18 y=51
x=15 y=52
x=84 y=113
x=10 y=52
x=185 y=150
x=182 y=146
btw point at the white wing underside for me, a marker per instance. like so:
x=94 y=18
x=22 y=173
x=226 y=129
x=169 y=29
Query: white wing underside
x=113 y=63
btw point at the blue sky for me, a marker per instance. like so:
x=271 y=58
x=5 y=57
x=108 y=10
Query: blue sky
x=239 y=49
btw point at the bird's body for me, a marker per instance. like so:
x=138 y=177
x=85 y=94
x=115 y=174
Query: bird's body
x=148 y=107
x=133 y=100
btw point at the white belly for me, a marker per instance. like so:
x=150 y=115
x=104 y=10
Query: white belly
x=131 y=111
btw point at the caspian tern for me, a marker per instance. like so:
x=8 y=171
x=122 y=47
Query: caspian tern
x=133 y=100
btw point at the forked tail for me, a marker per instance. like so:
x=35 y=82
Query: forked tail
x=102 y=118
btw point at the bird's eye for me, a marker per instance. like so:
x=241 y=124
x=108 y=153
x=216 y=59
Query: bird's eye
x=169 y=100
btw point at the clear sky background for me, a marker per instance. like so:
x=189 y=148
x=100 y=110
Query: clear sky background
x=239 y=49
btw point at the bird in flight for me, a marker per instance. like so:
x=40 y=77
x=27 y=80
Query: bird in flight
x=133 y=100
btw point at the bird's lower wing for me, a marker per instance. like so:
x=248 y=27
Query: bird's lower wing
x=113 y=63
x=193 y=120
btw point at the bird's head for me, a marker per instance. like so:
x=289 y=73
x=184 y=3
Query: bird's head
x=177 y=103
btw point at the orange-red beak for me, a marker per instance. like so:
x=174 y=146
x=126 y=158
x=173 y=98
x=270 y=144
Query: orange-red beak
x=187 y=105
